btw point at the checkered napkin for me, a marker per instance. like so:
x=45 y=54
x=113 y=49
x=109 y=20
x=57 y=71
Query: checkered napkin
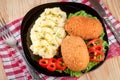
x=15 y=67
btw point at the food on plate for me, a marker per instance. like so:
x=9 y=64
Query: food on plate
x=60 y=64
x=75 y=53
x=52 y=64
x=95 y=49
x=82 y=48
x=85 y=27
x=47 y=32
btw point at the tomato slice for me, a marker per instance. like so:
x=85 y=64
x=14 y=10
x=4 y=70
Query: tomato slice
x=94 y=42
x=96 y=55
x=43 y=62
x=60 y=64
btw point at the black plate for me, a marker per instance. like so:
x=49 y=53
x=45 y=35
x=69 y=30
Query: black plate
x=33 y=14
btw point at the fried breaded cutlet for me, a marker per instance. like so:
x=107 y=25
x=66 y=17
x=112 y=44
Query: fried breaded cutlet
x=75 y=53
x=85 y=27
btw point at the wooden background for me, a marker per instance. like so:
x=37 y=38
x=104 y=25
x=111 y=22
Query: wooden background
x=13 y=9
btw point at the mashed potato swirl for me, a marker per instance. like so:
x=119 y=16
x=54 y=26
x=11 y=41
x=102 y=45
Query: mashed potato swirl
x=47 y=32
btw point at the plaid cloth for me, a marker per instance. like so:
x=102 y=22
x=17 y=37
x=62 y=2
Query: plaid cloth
x=14 y=65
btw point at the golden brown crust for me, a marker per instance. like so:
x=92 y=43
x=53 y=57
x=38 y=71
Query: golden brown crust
x=87 y=28
x=75 y=53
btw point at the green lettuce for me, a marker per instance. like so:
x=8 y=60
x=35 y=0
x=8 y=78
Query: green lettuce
x=105 y=44
x=73 y=73
x=80 y=13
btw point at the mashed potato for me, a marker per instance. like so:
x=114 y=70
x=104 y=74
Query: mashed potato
x=47 y=32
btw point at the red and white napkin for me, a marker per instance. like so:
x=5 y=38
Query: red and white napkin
x=15 y=67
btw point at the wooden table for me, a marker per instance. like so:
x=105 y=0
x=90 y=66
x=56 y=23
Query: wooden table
x=13 y=9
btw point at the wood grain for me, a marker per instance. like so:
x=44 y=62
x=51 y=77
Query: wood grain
x=13 y=9
x=2 y=72
x=114 y=7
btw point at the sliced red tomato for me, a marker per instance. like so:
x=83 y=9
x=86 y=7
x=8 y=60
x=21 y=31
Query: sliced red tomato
x=43 y=62
x=60 y=64
x=94 y=42
x=96 y=55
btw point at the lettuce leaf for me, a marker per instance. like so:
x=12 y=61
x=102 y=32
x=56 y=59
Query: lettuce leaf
x=90 y=66
x=81 y=13
x=73 y=73
x=105 y=44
